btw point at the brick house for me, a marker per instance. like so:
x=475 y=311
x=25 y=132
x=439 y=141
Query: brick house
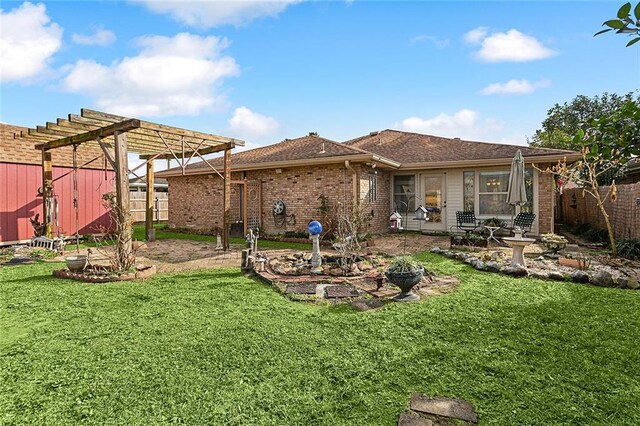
x=383 y=171
x=21 y=177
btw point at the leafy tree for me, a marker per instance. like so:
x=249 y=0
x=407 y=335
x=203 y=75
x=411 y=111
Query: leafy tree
x=564 y=120
x=607 y=144
x=625 y=23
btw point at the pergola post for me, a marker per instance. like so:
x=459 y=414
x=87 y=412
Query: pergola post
x=226 y=204
x=123 y=214
x=47 y=194
x=148 y=217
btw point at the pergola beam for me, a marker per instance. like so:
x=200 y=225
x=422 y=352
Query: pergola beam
x=102 y=132
x=97 y=115
x=190 y=154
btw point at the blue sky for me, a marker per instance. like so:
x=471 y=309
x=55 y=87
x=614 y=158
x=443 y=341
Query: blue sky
x=268 y=71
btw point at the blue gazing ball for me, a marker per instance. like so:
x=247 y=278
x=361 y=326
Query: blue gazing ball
x=314 y=227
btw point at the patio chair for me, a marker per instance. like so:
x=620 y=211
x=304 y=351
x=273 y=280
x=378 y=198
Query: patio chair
x=467 y=222
x=524 y=221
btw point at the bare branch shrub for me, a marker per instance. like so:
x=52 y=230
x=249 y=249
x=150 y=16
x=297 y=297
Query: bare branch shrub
x=116 y=246
x=351 y=225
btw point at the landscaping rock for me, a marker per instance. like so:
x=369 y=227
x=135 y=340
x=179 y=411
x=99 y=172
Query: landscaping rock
x=445 y=407
x=602 y=279
x=555 y=276
x=412 y=419
x=479 y=265
x=515 y=271
x=436 y=250
x=579 y=277
x=470 y=259
x=492 y=266
x=539 y=275
x=633 y=283
x=497 y=255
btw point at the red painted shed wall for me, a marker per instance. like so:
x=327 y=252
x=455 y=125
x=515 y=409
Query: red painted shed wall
x=19 y=202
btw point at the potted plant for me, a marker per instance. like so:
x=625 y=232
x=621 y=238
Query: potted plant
x=404 y=272
x=494 y=221
x=76 y=263
x=554 y=242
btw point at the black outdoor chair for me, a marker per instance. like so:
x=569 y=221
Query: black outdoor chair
x=467 y=222
x=524 y=221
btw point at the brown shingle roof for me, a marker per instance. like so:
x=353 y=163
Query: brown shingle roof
x=304 y=148
x=407 y=148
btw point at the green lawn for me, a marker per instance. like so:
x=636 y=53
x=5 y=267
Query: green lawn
x=214 y=347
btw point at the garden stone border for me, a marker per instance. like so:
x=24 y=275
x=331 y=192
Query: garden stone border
x=142 y=273
x=599 y=278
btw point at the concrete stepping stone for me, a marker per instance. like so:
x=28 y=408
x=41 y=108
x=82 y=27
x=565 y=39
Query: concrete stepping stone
x=444 y=407
x=301 y=289
x=340 y=291
x=365 y=305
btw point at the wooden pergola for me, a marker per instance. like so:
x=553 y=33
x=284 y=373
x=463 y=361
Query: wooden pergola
x=118 y=136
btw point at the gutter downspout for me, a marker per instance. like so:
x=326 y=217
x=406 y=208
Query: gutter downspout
x=355 y=182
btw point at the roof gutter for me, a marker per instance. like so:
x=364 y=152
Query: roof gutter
x=282 y=164
x=490 y=162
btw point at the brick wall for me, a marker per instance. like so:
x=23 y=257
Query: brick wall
x=300 y=188
x=546 y=196
x=22 y=151
x=196 y=201
x=624 y=213
x=380 y=205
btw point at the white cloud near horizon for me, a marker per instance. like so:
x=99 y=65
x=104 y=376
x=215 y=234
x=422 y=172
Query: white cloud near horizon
x=438 y=42
x=465 y=124
x=213 y=13
x=510 y=46
x=180 y=75
x=247 y=123
x=100 y=37
x=514 y=87
x=28 y=40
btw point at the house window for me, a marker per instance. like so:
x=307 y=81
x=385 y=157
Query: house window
x=492 y=193
x=404 y=193
x=469 y=197
x=373 y=188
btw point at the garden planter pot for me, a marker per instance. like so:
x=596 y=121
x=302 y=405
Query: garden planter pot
x=76 y=263
x=406 y=281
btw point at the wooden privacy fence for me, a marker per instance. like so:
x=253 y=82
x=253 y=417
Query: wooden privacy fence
x=138 y=202
x=624 y=213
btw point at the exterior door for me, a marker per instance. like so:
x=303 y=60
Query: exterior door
x=435 y=201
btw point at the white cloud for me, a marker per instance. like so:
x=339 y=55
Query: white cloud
x=212 y=13
x=247 y=123
x=438 y=42
x=465 y=124
x=28 y=40
x=514 y=87
x=476 y=35
x=100 y=37
x=179 y=75
x=512 y=46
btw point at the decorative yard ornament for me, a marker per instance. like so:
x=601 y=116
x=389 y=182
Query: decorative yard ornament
x=315 y=229
x=421 y=213
x=395 y=221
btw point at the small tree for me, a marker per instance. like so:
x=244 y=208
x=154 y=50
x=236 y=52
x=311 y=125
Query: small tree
x=351 y=224
x=624 y=23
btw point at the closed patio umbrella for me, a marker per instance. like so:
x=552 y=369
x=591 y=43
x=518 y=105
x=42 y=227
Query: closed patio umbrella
x=517 y=193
